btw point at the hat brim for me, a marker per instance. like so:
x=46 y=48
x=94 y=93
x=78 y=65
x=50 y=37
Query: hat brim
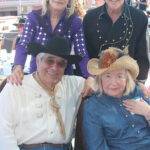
x=124 y=62
x=35 y=48
x=16 y=24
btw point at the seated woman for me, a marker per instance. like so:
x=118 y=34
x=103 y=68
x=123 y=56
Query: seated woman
x=110 y=121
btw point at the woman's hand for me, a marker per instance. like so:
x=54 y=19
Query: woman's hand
x=138 y=107
x=17 y=76
x=88 y=89
x=145 y=91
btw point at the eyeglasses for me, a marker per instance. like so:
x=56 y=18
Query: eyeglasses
x=60 y=63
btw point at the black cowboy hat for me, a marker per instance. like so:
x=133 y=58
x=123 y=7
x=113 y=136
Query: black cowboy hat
x=57 y=45
x=20 y=21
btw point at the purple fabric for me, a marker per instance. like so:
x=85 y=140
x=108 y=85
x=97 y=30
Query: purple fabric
x=34 y=32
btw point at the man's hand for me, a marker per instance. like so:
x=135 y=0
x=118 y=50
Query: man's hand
x=17 y=76
x=88 y=89
x=138 y=107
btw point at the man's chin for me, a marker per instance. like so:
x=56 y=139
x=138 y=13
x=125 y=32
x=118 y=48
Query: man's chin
x=53 y=80
x=52 y=76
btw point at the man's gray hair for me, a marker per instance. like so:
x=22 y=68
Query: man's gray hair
x=40 y=56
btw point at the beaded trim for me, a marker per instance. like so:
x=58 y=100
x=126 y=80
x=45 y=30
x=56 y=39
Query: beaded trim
x=127 y=33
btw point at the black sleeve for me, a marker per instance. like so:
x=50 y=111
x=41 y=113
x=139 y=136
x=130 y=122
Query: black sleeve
x=86 y=27
x=141 y=54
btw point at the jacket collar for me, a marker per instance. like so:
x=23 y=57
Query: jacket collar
x=61 y=18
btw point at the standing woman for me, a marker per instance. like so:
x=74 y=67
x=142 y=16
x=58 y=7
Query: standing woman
x=55 y=17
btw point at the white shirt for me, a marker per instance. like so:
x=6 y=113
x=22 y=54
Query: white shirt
x=26 y=116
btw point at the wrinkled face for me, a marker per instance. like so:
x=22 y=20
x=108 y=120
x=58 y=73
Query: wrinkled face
x=51 y=69
x=58 y=5
x=114 y=4
x=114 y=83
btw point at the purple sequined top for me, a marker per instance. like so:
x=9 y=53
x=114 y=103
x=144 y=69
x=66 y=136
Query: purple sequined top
x=33 y=31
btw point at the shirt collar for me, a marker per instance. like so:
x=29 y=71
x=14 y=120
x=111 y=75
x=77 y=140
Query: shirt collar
x=126 y=11
x=61 y=18
x=103 y=10
x=135 y=93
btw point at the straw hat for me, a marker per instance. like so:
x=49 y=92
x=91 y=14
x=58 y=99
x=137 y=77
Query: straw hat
x=111 y=60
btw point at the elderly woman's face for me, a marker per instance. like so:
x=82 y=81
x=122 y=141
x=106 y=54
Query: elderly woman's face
x=114 y=83
x=59 y=5
x=114 y=4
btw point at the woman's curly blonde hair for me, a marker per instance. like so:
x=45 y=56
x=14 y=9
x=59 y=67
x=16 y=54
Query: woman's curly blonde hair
x=70 y=8
x=80 y=11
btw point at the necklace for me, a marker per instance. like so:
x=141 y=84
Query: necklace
x=53 y=103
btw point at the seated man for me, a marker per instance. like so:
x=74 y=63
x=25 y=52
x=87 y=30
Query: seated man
x=41 y=112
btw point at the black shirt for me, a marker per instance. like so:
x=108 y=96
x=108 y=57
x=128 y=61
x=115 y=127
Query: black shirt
x=128 y=30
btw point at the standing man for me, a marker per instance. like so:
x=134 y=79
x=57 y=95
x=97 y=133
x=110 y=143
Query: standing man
x=116 y=24
x=41 y=113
